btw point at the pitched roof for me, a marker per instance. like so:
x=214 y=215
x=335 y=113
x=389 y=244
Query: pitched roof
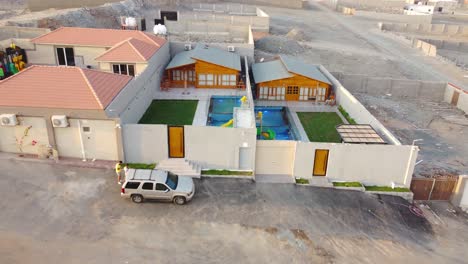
x=129 y=50
x=304 y=69
x=61 y=87
x=282 y=69
x=181 y=59
x=98 y=37
x=269 y=71
x=207 y=54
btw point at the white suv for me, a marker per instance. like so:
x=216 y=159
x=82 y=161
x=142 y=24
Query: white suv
x=143 y=185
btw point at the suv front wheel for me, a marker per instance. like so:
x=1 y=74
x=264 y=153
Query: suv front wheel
x=136 y=198
x=179 y=200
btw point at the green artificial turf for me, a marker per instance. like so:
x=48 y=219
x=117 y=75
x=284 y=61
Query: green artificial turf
x=170 y=112
x=321 y=127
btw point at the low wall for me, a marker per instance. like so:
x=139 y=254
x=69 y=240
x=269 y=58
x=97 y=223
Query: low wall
x=7 y=32
x=451 y=94
x=399 y=18
x=386 y=5
x=346 y=10
x=132 y=102
x=296 y=4
x=448 y=45
x=433 y=91
x=427 y=48
x=427 y=29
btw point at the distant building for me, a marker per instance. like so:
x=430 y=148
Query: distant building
x=124 y=52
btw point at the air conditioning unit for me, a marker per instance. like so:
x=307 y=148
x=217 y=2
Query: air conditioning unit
x=8 y=120
x=59 y=121
x=231 y=48
x=188 y=47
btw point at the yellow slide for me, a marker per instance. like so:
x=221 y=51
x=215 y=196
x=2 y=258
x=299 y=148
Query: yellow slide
x=228 y=123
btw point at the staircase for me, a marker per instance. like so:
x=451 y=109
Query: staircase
x=180 y=167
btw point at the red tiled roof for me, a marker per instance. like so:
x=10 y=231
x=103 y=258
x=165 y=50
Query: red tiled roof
x=61 y=87
x=130 y=50
x=99 y=37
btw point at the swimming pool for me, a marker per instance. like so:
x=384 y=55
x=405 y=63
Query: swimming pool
x=221 y=109
x=274 y=118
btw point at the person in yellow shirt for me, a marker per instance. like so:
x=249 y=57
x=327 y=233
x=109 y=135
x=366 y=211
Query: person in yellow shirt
x=118 y=171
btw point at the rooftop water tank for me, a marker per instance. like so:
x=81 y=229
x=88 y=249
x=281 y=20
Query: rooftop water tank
x=130 y=22
x=160 y=29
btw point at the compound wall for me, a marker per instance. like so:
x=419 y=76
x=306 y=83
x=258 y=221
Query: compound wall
x=433 y=91
x=427 y=29
x=7 y=32
x=399 y=18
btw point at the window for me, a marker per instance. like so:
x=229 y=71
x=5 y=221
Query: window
x=66 y=56
x=124 y=69
x=201 y=79
x=86 y=129
x=191 y=76
x=172 y=180
x=147 y=186
x=132 y=185
x=209 y=79
x=228 y=80
x=161 y=187
x=320 y=162
x=176 y=75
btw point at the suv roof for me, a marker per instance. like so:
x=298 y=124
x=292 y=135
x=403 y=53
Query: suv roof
x=147 y=175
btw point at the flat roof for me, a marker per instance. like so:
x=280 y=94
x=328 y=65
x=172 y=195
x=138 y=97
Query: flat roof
x=147 y=175
x=362 y=134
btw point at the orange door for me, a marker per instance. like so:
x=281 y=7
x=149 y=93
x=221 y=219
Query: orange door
x=176 y=141
x=320 y=162
x=292 y=93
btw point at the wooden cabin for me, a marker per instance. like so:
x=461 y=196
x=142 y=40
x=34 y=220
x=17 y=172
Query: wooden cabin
x=204 y=67
x=291 y=80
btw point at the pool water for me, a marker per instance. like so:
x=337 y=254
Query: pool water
x=274 y=118
x=221 y=109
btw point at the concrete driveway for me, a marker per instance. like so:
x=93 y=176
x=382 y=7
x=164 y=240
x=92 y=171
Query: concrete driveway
x=57 y=214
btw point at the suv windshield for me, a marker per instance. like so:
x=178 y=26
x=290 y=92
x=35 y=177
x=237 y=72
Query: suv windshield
x=172 y=180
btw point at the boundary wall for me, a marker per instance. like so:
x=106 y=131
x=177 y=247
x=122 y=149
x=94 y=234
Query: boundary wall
x=369 y=164
x=7 y=32
x=427 y=48
x=402 y=88
x=454 y=91
x=427 y=29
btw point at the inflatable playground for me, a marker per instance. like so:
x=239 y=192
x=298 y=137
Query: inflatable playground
x=12 y=60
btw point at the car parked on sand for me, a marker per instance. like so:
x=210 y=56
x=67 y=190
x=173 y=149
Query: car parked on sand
x=160 y=185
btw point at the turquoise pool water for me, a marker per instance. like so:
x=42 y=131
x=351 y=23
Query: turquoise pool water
x=274 y=118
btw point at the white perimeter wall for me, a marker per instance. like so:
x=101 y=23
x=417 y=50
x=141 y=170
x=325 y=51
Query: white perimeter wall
x=10 y=134
x=145 y=143
x=370 y=164
x=131 y=103
x=211 y=147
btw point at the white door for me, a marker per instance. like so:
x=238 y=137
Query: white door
x=245 y=159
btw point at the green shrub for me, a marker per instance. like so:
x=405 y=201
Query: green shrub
x=346 y=115
x=141 y=166
x=386 y=189
x=347 y=184
x=302 y=181
x=226 y=172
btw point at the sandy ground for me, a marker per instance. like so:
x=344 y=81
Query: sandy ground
x=57 y=214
